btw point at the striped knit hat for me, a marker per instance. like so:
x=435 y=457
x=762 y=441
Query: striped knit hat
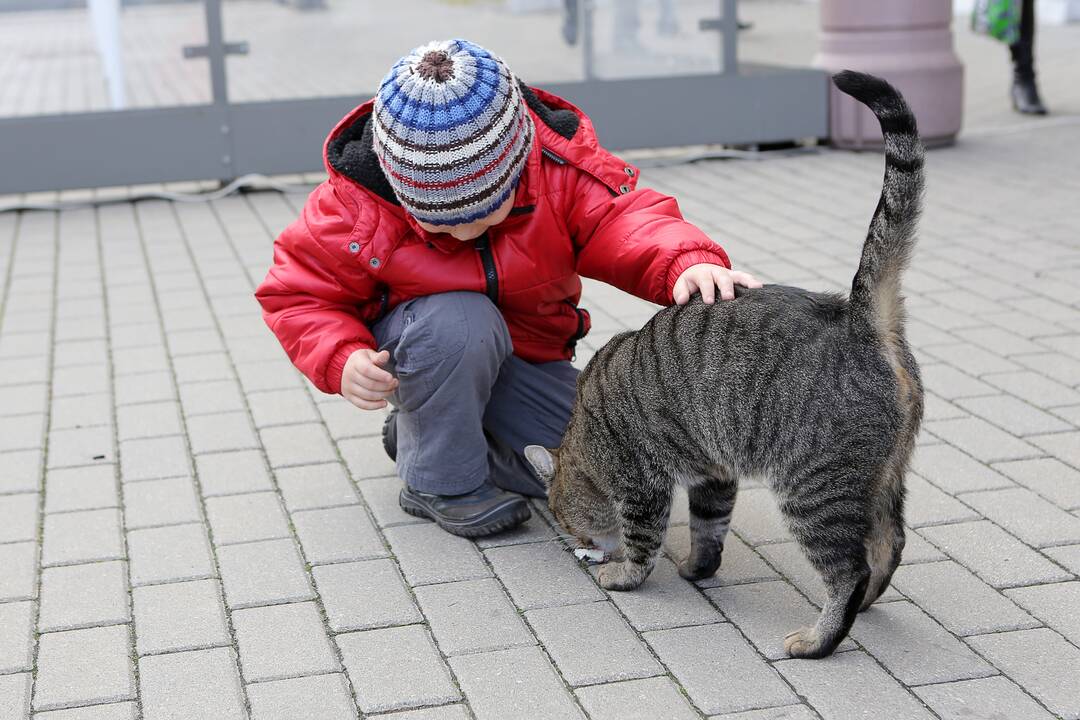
x=451 y=132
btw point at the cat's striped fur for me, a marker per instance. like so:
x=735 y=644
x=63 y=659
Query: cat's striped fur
x=816 y=392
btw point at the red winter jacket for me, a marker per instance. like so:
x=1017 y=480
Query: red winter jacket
x=354 y=253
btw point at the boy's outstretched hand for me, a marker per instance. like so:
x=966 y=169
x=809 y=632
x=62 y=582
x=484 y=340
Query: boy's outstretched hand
x=364 y=383
x=705 y=278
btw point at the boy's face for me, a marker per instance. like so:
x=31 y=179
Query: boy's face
x=473 y=230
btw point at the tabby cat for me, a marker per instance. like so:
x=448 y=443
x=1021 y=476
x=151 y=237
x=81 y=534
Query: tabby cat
x=816 y=392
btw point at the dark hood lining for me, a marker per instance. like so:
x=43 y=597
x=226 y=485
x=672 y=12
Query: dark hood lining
x=352 y=154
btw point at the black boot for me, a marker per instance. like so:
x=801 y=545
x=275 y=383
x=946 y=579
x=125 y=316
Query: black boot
x=484 y=511
x=1025 y=97
x=389 y=435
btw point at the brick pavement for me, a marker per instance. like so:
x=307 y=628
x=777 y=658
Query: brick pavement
x=188 y=530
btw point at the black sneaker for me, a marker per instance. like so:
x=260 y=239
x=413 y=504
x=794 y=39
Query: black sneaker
x=484 y=511
x=389 y=435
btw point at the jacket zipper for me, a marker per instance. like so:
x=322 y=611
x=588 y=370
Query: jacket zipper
x=491 y=276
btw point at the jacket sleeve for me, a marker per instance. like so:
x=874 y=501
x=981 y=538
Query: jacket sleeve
x=310 y=302
x=638 y=242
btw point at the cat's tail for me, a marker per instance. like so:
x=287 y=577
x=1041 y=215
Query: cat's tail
x=876 y=304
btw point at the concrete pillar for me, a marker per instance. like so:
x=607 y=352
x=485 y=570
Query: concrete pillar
x=910 y=44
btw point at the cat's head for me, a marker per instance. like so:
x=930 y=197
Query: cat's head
x=577 y=503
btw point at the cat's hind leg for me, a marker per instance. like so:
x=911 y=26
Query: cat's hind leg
x=885 y=544
x=712 y=501
x=643 y=515
x=827 y=514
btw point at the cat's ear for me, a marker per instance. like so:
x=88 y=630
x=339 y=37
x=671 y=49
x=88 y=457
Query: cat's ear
x=545 y=462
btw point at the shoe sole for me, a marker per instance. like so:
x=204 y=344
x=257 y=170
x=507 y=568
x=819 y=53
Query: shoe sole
x=476 y=527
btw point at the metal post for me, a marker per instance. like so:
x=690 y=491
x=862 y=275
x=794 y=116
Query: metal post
x=215 y=52
x=730 y=35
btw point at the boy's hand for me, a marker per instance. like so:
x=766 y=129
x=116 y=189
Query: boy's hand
x=364 y=383
x=705 y=278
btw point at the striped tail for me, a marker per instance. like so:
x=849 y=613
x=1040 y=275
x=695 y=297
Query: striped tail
x=877 y=306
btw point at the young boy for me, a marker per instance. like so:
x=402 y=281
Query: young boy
x=439 y=268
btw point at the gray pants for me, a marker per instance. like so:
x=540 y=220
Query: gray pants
x=467 y=407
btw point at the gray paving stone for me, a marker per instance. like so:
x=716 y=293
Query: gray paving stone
x=926 y=505
x=757 y=520
x=441 y=712
x=246 y=518
x=1064 y=446
x=515 y=684
x=839 y=686
x=19 y=579
x=83 y=536
x=80 y=446
x=311 y=487
x=664 y=600
x=22 y=471
x=955 y=472
x=155 y=503
x=914 y=648
x=135 y=360
x=787 y=712
x=364 y=595
x=995 y=556
x=1027 y=516
x=381 y=495
x=981 y=699
x=592 y=644
x=395 y=668
x=282 y=407
x=78 y=596
x=1041 y=662
x=1013 y=415
x=645 y=699
x=16 y=636
x=366 y=458
x=82 y=488
x=918 y=550
x=535 y=529
x=696 y=656
x=428 y=554
x=297 y=445
x=1059 y=367
x=1037 y=389
x=283 y=641
x=198 y=685
x=81 y=411
x=472 y=616
x=154 y=458
x=82 y=667
x=210 y=397
x=224 y=431
x=950 y=383
x=148 y=387
x=1054 y=604
x=263 y=573
x=169 y=554
x=936 y=586
x=22 y=432
x=1051 y=478
x=229 y=473
x=15 y=696
x=765 y=613
x=111 y=711
x=148 y=420
x=542 y=575
x=322 y=697
x=337 y=535
x=982 y=440
x=1067 y=556
x=23 y=399
x=202 y=368
x=179 y=616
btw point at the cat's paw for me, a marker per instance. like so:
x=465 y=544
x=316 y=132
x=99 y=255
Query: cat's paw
x=621 y=576
x=691 y=569
x=803 y=643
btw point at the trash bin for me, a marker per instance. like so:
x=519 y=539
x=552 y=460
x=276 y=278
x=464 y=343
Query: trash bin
x=910 y=44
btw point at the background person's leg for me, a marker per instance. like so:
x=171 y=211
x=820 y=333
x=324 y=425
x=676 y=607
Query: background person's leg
x=446 y=350
x=1025 y=92
x=530 y=405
